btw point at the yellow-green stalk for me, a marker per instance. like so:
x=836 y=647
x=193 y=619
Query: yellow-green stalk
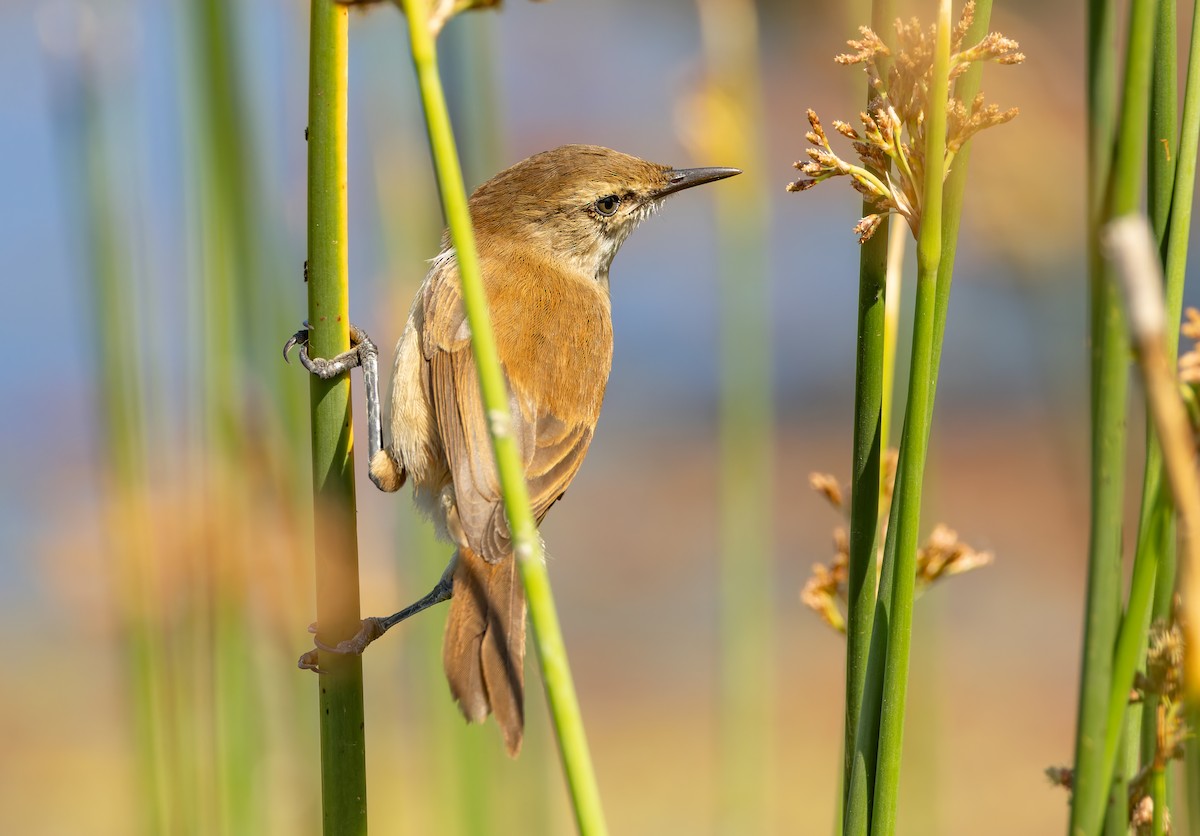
x=343 y=747
x=527 y=547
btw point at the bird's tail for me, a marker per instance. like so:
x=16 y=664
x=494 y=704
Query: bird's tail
x=484 y=648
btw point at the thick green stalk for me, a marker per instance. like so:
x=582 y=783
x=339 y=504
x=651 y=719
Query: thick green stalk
x=914 y=442
x=867 y=444
x=527 y=547
x=864 y=516
x=343 y=746
x=1110 y=379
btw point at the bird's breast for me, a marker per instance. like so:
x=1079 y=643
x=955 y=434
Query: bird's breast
x=554 y=335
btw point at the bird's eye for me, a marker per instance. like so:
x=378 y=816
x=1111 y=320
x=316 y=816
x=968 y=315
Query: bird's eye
x=608 y=205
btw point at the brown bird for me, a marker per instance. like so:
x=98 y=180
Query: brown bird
x=546 y=230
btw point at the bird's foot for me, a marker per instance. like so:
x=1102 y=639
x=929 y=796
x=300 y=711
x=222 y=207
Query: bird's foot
x=361 y=347
x=372 y=628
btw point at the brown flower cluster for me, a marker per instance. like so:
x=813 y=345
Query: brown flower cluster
x=891 y=145
x=1189 y=363
x=942 y=555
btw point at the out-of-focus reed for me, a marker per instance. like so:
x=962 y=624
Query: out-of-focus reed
x=724 y=121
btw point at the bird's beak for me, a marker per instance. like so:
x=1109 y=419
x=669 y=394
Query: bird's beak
x=684 y=178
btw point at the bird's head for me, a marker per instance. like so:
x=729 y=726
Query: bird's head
x=578 y=203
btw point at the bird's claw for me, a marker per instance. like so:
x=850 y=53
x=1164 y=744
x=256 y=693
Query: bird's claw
x=300 y=338
x=327 y=369
x=372 y=628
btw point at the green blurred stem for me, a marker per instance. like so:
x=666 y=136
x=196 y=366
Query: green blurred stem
x=112 y=299
x=230 y=237
x=730 y=38
x=1102 y=675
x=343 y=746
x=527 y=547
x=905 y=520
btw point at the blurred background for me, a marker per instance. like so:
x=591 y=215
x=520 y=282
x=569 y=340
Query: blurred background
x=155 y=506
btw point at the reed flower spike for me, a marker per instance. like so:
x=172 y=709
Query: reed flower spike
x=890 y=147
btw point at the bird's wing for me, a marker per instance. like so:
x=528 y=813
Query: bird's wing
x=552 y=449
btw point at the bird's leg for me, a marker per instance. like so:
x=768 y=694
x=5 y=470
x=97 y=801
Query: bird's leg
x=363 y=352
x=373 y=628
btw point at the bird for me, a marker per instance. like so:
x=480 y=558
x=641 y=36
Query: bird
x=546 y=231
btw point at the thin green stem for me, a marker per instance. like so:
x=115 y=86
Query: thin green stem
x=871 y=379
x=527 y=547
x=343 y=747
x=1175 y=262
x=1156 y=502
x=915 y=441
x=1179 y=226
x=1158 y=794
x=1110 y=380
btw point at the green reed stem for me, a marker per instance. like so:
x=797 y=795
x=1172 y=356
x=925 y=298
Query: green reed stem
x=867 y=443
x=906 y=518
x=343 y=744
x=1094 y=750
x=1175 y=262
x=1163 y=156
x=527 y=547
